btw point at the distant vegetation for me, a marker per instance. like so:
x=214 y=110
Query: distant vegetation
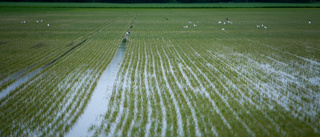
x=167 y=1
x=156 y=5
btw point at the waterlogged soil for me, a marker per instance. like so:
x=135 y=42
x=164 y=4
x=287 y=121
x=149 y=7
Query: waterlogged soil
x=93 y=114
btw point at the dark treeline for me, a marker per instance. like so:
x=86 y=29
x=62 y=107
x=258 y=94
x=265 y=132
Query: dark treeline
x=169 y=1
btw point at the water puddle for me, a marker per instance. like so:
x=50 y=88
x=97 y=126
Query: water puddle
x=19 y=82
x=30 y=75
x=16 y=75
x=96 y=108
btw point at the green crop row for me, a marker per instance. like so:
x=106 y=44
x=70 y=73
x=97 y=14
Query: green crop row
x=244 y=81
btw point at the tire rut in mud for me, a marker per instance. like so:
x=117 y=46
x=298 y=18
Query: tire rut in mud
x=64 y=54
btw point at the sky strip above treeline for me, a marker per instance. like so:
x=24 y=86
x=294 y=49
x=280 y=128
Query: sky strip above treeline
x=168 y=1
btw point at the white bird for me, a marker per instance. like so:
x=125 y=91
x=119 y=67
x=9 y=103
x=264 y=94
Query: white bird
x=223 y=29
x=258 y=26
x=309 y=22
x=265 y=27
x=37 y=21
x=219 y=22
x=229 y=21
x=41 y=20
x=262 y=25
x=185 y=27
x=190 y=22
x=224 y=23
x=24 y=21
x=48 y=25
x=127 y=33
x=194 y=25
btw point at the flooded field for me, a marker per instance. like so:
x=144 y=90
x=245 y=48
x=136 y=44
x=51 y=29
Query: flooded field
x=181 y=72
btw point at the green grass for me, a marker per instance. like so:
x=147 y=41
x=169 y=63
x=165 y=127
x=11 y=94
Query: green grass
x=243 y=81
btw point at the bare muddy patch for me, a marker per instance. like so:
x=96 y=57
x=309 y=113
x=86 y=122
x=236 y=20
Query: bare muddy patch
x=70 y=44
x=3 y=42
x=39 y=45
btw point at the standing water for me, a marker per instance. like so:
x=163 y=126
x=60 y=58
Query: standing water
x=96 y=108
x=19 y=82
x=30 y=75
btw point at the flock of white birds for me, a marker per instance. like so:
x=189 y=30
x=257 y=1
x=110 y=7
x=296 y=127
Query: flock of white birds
x=23 y=22
x=258 y=26
x=224 y=23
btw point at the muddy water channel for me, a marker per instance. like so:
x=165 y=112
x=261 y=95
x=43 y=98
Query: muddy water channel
x=93 y=114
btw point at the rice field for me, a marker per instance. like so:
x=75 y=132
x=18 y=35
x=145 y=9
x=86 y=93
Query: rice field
x=256 y=73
